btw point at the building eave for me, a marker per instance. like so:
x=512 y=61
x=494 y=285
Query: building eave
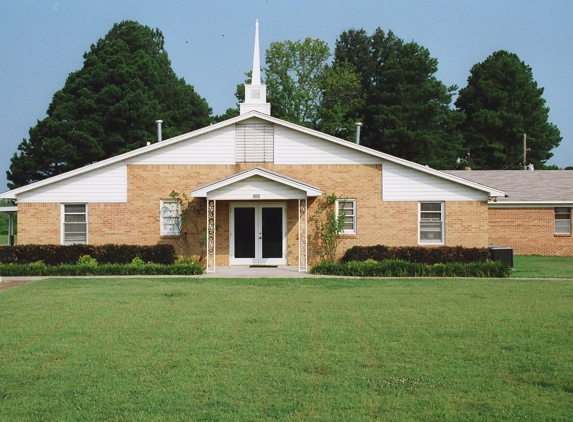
x=203 y=191
x=12 y=194
x=530 y=204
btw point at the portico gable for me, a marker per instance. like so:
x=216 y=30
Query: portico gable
x=257 y=190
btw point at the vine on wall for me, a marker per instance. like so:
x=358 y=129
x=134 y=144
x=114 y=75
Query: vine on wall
x=329 y=226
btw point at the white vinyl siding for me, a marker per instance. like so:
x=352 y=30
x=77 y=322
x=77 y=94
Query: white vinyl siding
x=401 y=183
x=106 y=184
x=170 y=213
x=293 y=147
x=431 y=222
x=74 y=224
x=562 y=220
x=348 y=207
x=210 y=148
x=254 y=143
x=256 y=187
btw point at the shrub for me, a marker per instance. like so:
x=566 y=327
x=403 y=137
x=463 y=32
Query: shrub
x=398 y=268
x=419 y=254
x=70 y=254
x=138 y=267
x=87 y=261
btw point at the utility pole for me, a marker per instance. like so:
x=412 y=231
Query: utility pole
x=524 y=151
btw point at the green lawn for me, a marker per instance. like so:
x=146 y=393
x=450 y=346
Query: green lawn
x=304 y=349
x=542 y=266
x=4 y=239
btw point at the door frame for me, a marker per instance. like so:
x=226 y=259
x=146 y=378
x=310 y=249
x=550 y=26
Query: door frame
x=258 y=260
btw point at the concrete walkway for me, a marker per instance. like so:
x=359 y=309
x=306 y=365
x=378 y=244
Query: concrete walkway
x=259 y=272
x=220 y=272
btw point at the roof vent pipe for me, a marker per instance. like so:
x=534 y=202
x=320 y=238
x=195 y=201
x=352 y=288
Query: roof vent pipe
x=358 y=126
x=159 y=130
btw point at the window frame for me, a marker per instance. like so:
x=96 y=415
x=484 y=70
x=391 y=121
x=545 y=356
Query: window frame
x=421 y=222
x=562 y=211
x=64 y=213
x=353 y=215
x=176 y=226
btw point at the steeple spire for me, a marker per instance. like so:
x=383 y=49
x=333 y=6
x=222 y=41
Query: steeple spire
x=255 y=92
x=256 y=78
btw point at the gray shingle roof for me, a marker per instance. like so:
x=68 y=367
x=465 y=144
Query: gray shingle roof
x=524 y=185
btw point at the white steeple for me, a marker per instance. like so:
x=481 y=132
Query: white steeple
x=256 y=79
x=255 y=92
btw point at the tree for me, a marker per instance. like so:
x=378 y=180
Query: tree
x=110 y=106
x=341 y=98
x=406 y=109
x=304 y=89
x=293 y=70
x=502 y=102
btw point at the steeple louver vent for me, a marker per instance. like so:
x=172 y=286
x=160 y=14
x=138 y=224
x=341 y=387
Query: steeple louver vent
x=254 y=143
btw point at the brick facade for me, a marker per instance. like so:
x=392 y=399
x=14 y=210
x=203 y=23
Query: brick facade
x=528 y=231
x=137 y=221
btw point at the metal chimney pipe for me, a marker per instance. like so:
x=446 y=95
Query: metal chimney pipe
x=159 y=130
x=358 y=126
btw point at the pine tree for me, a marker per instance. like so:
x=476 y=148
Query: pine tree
x=406 y=109
x=110 y=106
x=502 y=102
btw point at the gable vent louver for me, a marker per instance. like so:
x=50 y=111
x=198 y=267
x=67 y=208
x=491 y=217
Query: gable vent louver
x=254 y=143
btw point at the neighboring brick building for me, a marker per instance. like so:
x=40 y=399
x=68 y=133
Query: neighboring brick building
x=535 y=216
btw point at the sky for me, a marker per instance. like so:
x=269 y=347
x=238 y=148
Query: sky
x=210 y=45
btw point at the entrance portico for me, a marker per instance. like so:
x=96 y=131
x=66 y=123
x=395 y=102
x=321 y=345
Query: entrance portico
x=258 y=225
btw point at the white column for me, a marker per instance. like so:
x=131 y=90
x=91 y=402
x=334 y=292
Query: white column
x=211 y=225
x=302 y=236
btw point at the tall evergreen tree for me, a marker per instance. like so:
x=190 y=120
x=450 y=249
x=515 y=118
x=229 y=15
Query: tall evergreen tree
x=406 y=109
x=502 y=102
x=110 y=106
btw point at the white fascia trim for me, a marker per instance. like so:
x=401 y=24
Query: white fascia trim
x=12 y=194
x=119 y=158
x=490 y=191
x=203 y=191
x=8 y=209
x=530 y=204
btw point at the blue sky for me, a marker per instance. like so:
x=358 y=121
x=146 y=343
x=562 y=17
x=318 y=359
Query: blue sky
x=210 y=44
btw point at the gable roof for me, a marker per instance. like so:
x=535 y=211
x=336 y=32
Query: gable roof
x=309 y=190
x=523 y=186
x=12 y=194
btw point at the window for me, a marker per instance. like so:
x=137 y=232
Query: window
x=75 y=224
x=562 y=220
x=348 y=207
x=431 y=222
x=170 y=217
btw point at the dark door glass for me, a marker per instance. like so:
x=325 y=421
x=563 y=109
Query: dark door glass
x=244 y=232
x=272 y=232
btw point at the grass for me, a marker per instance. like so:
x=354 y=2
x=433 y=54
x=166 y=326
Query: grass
x=300 y=349
x=537 y=266
x=4 y=239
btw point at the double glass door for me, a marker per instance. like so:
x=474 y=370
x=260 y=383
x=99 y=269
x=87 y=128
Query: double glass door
x=258 y=234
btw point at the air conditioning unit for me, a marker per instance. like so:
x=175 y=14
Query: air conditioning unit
x=502 y=254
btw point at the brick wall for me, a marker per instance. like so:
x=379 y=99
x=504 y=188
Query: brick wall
x=137 y=221
x=528 y=231
x=38 y=223
x=467 y=223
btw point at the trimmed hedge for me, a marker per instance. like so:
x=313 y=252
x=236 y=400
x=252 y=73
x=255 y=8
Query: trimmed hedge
x=396 y=268
x=69 y=254
x=418 y=254
x=41 y=269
